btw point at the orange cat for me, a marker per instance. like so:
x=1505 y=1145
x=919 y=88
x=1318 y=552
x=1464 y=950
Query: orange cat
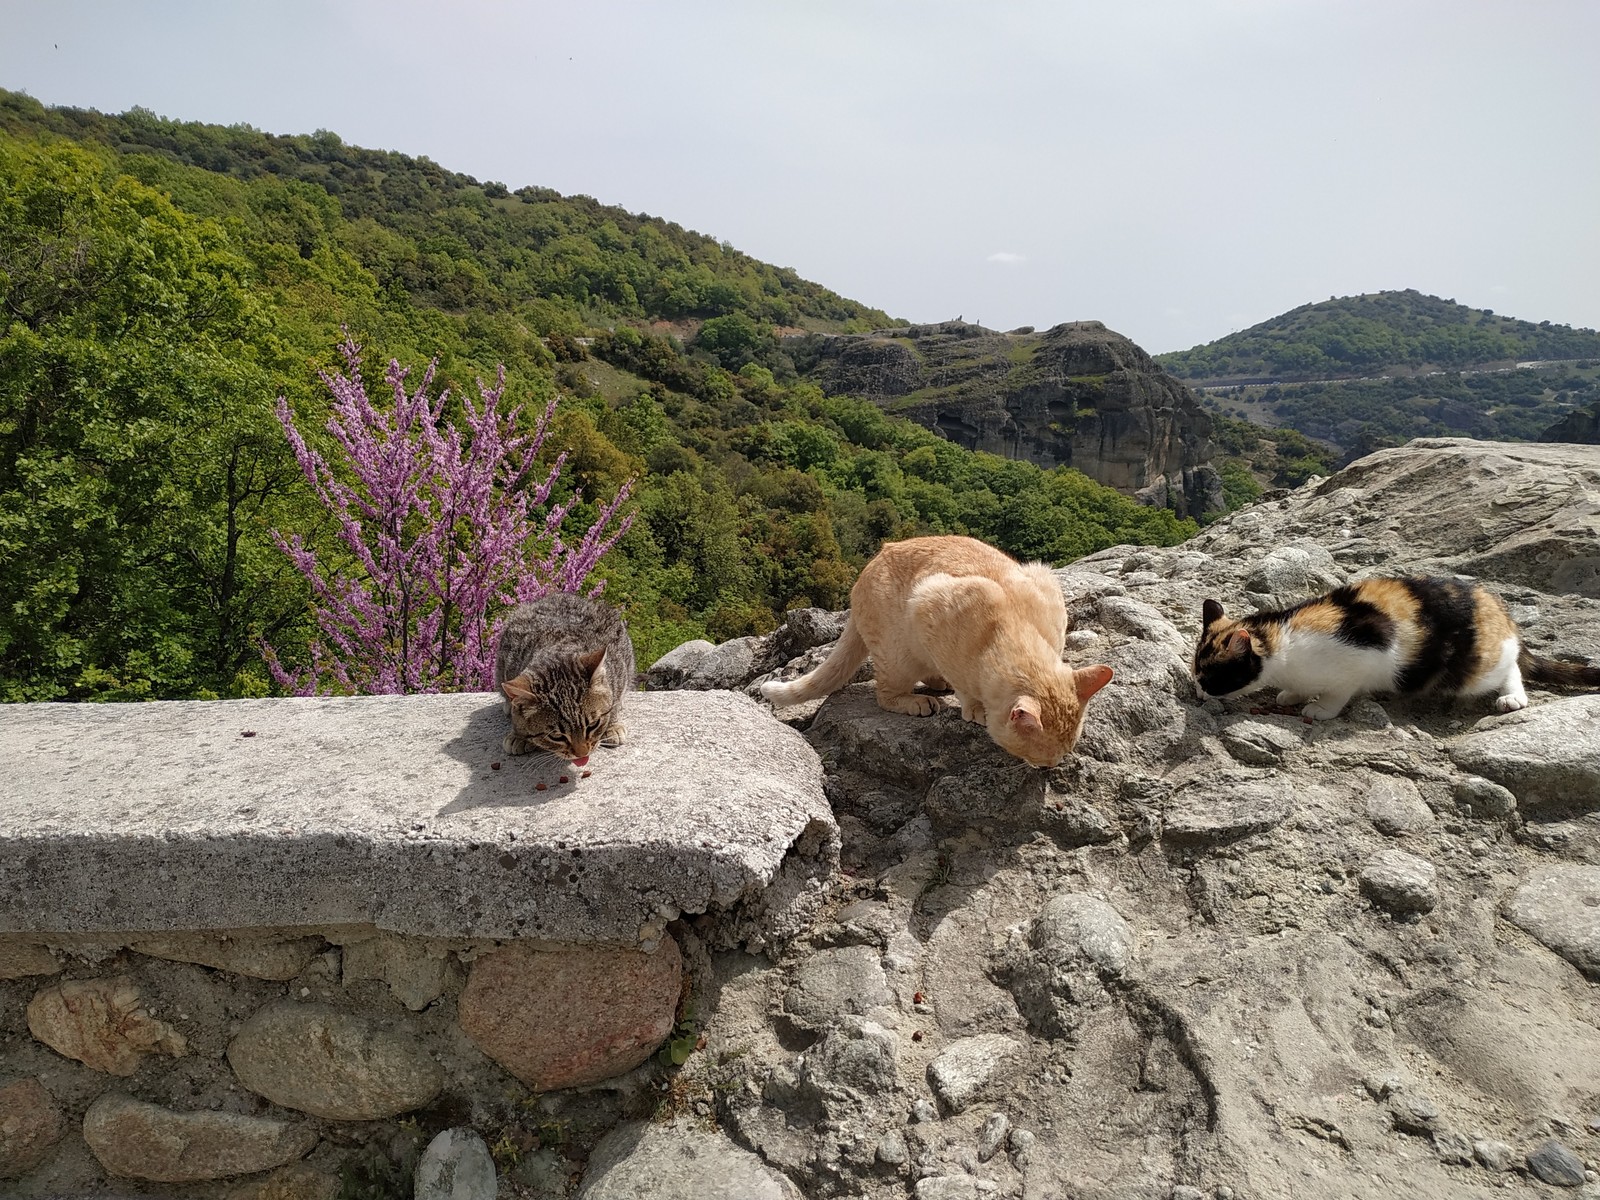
x=953 y=612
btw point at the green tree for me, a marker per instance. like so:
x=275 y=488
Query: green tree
x=138 y=464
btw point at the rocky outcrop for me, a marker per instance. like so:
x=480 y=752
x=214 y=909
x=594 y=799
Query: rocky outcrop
x=1221 y=951
x=1581 y=425
x=1077 y=395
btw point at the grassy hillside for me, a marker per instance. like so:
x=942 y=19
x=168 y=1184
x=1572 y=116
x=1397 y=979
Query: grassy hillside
x=162 y=283
x=1383 y=333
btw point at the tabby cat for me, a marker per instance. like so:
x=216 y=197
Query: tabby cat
x=1412 y=634
x=951 y=612
x=563 y=666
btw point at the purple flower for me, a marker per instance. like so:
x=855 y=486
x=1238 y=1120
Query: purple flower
x=444 y=530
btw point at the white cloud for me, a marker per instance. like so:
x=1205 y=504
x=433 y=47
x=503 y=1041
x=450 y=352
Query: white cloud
x=1006 y=257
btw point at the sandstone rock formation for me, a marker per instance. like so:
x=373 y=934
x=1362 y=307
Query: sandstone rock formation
x=1077 y=395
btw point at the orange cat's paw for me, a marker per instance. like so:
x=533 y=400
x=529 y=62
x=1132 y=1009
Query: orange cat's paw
x=974 y=712
x=913 y=706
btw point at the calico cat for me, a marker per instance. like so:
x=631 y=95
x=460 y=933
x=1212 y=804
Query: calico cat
x=1413 y=634
x=954 y=613
x=563 y=665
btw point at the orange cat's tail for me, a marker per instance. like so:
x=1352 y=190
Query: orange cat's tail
x=848 y=654
x=1555 y=673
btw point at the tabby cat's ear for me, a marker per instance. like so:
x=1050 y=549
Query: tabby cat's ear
x=589 y=663
x=517 y=689
x=1089 y=680
x=1025 y=715
x=1211 y=612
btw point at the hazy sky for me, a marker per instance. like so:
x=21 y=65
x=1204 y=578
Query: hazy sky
x=1176 y=168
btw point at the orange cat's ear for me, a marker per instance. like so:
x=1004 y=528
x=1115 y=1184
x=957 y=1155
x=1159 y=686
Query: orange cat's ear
x=1089 y=680
x=1211 y=613
x=517 y=689
x=590 y=663
x=1025 y=715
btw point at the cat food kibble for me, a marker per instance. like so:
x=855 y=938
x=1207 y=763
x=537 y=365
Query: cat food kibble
x=494 y=766
x=564 y=779
x=539 y=787
x=586 y=774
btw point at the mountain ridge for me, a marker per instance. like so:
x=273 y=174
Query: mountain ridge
x=1358 y=337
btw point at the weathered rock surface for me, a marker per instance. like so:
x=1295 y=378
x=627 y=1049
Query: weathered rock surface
x=417 y=970
x=260 y=956
x=298 y=1181
x=1560 y=905
x=31 y=1123
x=20 y=958
x=1555 y=1164
x=709 y=807
x=1077 y=395
x=1546 y=756
x=1400 y=882
x=559 y=1018
x=456 y=1165
x=959 y=1074
x=643 y=1161
x=833 y=982
x=101 y=1023
x=316 y=1059
x=145 y=1141
x=1272 y=1030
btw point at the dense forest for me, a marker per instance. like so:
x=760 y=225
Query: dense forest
x=163 y=283
x=1364 y=372
x=1386 y=332
x=1364 y=415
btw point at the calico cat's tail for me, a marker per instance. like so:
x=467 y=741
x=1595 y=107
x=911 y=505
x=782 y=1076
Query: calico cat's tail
x=1554 y=673
x=848 y=654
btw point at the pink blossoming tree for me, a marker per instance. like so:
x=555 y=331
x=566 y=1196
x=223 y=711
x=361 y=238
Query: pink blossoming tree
x=444 y=531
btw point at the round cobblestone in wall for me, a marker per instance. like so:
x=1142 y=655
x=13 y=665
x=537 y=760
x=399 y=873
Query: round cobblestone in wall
x=560 y=1018
x=316 y=1059
x=145 y=1141
x=30 y=1126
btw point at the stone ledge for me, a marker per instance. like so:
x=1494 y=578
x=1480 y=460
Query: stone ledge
x=388 y=811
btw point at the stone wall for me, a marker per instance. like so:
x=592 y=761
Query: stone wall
x=197 y=1057
x=252 y=947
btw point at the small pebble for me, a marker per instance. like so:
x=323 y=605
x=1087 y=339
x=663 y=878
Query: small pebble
x=916 y=1036
x=247 y=733
x=993 y=1135
x=923 y=1111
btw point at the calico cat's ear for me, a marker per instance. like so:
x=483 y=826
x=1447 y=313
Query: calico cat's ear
x=1025 y=715
x=1211 y=613
x=517 y=689
x=1089 y=680
x=589 y=663
x=1239 y=641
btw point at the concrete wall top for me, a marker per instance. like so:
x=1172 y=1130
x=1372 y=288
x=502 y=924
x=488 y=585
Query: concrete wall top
x=388 y=810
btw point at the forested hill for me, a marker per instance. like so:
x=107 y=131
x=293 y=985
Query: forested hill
x=559 y=261
x=162 y=284
x=1383 y=333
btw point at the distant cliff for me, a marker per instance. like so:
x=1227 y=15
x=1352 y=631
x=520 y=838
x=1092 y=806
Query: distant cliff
x=1580 y=425
x=1077 y=395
